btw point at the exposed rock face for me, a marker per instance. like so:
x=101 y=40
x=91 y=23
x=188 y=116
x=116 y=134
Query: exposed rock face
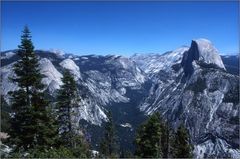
x=189 y=85
x=6 y=84
x=153 y=63
x=203 y=51
x=103 y=80
x=70 y=65
x=52 y=78
x=208 y=53
x=203 y=96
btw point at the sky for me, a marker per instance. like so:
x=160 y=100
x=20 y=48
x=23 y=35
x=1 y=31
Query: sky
x=122 y=27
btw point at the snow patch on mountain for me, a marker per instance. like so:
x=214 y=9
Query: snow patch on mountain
x=126 y=125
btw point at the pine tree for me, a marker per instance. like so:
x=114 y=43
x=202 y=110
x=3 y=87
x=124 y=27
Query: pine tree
x=165 y=139
x=148 y=139
x=5 y=117
x=181 y=146
x=32 y=125
x=126 y=154
x=67 y=100
x=108 y=146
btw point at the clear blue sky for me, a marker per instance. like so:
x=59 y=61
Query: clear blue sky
x=120 y=27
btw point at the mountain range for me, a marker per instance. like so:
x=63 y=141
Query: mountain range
x=192 y=85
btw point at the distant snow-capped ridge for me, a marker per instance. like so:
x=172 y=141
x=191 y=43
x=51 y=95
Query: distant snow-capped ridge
x=153 y=63
x=7 y=55
x=56 y=51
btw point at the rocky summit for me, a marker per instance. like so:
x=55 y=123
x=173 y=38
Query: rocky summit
x=193 y=85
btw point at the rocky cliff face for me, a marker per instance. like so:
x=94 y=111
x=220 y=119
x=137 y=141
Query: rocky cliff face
x=105 y=82
x=104 y=79
x=203 y=96
x=203 y=51
x=189 y=85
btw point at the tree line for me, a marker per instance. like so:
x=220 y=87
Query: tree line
x=39 y=128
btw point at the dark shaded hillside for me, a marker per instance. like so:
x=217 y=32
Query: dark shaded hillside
x=231 y=63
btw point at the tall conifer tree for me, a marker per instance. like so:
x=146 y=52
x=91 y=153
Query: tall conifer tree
x=5 y=117
x=108 y=146
x=67 y=100
x=182 y=147
x=32 y=125
x=148 y=139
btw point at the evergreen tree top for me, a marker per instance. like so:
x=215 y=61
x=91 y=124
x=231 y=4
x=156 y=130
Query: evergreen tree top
x=26 y=33
x=26 y=42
